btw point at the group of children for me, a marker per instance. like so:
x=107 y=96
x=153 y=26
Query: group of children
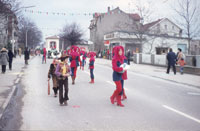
x=60 y=70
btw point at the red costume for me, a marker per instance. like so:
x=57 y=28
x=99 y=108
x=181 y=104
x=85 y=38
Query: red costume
x=75 y=60
x=91 y=65
x=119 y=75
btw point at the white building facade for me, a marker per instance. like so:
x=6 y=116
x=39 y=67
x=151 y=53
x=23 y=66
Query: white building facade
x=53 y=43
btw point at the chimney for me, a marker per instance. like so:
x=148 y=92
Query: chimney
x=108 y=8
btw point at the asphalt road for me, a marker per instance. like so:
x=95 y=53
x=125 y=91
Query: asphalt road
x=152 y=105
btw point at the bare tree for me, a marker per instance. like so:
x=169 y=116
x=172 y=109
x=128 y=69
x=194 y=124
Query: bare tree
x=71 y=34
x=29 y=28
x=188 y=12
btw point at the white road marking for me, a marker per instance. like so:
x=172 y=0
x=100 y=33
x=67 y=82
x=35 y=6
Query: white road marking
x=17 y=81
x=181 y=113
x=193 y=93
x=87 y=72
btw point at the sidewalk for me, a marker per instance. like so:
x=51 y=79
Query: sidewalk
x=158 y=72
x=8 y=82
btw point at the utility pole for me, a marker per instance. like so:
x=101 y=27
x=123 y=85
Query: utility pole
x=13 y=37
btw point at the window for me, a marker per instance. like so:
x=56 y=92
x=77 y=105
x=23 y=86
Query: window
x=166 y=27
x=172 y=27
x=183 y=47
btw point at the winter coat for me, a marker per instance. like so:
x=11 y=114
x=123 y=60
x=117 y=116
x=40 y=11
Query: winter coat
x=171 y=57
x=52 y=73
x=4 y=58
x=10 y=55
x=26 y=55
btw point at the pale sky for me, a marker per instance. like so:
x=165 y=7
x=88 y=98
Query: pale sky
x=54 y=22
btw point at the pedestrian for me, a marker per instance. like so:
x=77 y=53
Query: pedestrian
x=84 y=54
x=51 y=74
x=128 y=56
x=4 y=59
x=181 y=63
x=180 y=55
x=91 y=65
x=171 y=57
x=63 y=72
x=10 y=55
x=75 y=60
x=118 y=71
x=20 y=52
x=26 y=55
x=44 y=56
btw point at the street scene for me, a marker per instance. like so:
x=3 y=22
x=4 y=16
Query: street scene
x=125 y=65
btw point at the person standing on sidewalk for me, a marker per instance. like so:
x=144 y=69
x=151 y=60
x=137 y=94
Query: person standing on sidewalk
x=128 y=56
x=171 y=57
x=63 y=72
x=181 y=63
x=26 y=55
x=4 y=59
x=10 y=55
x=118 y=71
x=20 y=52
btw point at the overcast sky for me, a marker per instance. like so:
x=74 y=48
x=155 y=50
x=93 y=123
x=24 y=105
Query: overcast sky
x=53 y=22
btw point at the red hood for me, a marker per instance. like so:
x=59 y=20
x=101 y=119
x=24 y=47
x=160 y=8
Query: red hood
x=116 y=53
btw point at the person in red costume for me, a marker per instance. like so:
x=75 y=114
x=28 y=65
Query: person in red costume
x=44 y=55
x=91 y=65
x=84 y=56
x=119 y=74
x=75 y=60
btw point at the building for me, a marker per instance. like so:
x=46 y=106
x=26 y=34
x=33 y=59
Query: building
x=53 y=43
x=154 y=38
x=195 y=47
x=8 y=28
x=112 y=20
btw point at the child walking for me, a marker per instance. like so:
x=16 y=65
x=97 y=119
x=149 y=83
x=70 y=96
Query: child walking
x=91 y=66
x=63 y=72
x=181 y=62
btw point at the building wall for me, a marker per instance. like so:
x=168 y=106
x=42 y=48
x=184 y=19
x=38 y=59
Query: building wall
x=158 y=42
x=107 y=23
x=48 y=44
x=166 y=27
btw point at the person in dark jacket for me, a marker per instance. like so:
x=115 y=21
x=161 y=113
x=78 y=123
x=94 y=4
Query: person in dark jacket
x=4 y=59
x=10 y=55
x=26 y=56
x=171 y=57
x=128 y=57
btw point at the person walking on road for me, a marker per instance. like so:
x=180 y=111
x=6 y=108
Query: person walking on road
x=91 y=65
x=171 y=57
x=26 y=55
x=75 y=60
x=51 y=74
x=4 y=59
x=44 y=56
x=10 y=55
x=118 y=71
x=63 y=72
x=20 y=52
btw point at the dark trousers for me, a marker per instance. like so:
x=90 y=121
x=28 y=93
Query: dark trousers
x=174 y=68
x=10 y=65
x=128 y=61
x=91 y=73
x=63 y=83
x=3 y=68
x=26 y=62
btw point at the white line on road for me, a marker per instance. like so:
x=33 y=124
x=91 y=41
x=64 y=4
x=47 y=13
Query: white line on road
x=193 y=93
x=181 y=113
x=87 y=72
x=17 y=81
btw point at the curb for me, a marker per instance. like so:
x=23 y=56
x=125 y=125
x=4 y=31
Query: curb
x=159 y=77
x=14 y=87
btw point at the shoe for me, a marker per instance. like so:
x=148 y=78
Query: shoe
x=112 y=100
x=61 y=104
x=65 y=103
x=119 y=101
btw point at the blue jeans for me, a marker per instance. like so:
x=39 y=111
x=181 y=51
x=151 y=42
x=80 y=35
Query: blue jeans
x=181 y=69
x=91 y=73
